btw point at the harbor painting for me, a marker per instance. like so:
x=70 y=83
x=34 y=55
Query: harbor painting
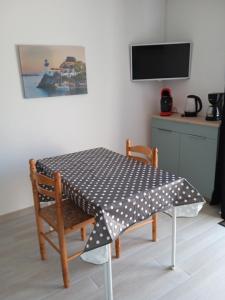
x=49 y=71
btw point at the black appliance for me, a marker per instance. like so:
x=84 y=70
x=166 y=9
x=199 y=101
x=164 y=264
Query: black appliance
x=166 y=102
x=193 y=106
x=214 y=112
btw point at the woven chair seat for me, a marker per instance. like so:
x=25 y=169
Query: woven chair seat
x=73 y=216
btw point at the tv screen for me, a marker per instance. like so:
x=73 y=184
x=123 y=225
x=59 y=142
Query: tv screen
x=163 y=61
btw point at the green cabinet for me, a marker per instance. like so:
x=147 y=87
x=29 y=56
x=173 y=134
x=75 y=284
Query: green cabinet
x=187 y=148
x=167 y=142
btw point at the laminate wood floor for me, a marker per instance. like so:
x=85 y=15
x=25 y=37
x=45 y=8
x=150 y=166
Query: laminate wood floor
x=141 y=273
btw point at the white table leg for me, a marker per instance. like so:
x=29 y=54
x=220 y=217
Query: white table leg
x=174 y=229
x=108 y=275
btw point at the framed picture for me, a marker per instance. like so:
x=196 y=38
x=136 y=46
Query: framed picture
x=49 y=71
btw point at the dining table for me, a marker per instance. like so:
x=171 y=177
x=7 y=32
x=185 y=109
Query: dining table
x=119 y=192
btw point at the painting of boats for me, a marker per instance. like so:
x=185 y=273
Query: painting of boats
x=49 y=71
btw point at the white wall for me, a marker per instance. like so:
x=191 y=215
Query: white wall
x=114 y=108
x=203 y=23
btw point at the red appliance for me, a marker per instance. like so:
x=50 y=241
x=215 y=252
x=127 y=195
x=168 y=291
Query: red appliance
x=166 y=102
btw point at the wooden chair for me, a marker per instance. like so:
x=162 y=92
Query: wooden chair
x=62 y=216
x=148 y=156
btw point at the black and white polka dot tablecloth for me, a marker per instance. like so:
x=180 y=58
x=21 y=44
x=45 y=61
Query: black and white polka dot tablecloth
x=116 y=190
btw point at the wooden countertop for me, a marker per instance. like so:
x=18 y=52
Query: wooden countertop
x=191 y=120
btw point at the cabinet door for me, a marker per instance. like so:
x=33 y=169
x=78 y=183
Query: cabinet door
x=167 y=141
x=197 y=162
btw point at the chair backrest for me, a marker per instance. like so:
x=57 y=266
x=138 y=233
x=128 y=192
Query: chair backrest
x=144 y=154
x=49 y=187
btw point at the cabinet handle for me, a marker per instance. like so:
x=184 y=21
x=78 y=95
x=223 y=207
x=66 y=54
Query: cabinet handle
x=199 y=137
x=166 y=130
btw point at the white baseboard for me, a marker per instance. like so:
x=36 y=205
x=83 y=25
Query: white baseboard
x=17 y=213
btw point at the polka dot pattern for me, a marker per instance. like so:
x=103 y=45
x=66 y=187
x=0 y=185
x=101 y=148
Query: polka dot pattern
x=116 y=190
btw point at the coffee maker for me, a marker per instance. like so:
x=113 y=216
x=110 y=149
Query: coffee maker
x=214 y=112
x=166 y=102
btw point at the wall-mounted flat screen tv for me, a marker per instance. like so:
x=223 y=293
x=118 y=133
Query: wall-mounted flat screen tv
x=163 y=61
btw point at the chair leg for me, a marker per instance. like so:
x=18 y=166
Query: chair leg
x=154 y=228
x=40 y=231
x=65 y=272
x=64 y=261
x=83 y=233
x=117 y=247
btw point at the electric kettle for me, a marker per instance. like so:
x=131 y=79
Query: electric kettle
x=193 y=106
